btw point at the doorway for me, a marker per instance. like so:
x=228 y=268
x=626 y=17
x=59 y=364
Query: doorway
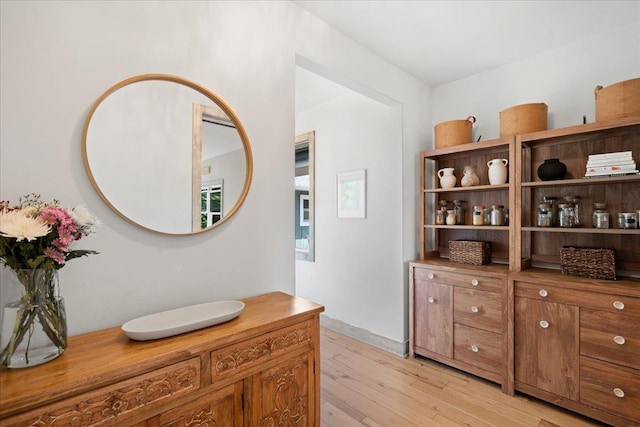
x=305 y=196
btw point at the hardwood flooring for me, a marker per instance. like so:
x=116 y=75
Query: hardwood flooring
x=362 y=385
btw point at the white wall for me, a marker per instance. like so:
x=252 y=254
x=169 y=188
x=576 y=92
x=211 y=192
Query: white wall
x=57 y=57
x=564 y=79
x=358 y=262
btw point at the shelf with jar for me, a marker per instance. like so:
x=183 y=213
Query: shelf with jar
x=597 y=212
x=458 y=180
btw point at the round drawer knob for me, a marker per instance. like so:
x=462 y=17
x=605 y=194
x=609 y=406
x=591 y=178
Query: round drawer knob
x=430 y=276
x=431 y=300
x=544 y=324
x=543 y=293
x=474 y=348
x=474 y=309
x=618 y=392
x=619 y=305
x=474 y=282
x=619 y=340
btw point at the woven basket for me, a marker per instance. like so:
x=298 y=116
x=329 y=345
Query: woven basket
x=593 y=263
x=618 y=100
x=525 y=118
x=454 y=132
x=474 y=252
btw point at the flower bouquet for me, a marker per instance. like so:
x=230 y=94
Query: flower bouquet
x=35 y=240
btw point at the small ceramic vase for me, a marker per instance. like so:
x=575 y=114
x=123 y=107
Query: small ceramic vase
x=497 y=171
x=447 y=178
x=469 y=177
x=551 y=170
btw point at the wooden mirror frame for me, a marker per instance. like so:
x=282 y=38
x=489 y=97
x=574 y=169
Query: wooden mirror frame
x=207 y=93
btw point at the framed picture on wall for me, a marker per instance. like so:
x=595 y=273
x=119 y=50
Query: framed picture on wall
x=352 y=194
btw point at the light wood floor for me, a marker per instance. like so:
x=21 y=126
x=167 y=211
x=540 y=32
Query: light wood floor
x=362 y=385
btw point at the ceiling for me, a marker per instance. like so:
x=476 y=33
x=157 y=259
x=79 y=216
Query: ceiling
x=443 y=41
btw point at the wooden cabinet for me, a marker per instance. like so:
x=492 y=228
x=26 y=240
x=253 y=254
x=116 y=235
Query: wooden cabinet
x=257 y=369
x=577 y=343
x=573 y=346
x=547 y=345
x=458 y=317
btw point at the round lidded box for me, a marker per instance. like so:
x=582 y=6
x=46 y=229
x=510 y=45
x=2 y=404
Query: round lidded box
x=618 y=100
x=454 y=132
x=525 y=118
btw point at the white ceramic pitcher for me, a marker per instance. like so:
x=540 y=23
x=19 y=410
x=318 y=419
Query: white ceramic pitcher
x=497 y=171
x=447 y=178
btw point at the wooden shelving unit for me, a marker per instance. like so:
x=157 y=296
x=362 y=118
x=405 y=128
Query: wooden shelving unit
x=561 y=336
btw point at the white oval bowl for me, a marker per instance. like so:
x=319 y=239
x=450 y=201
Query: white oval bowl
x=181 y=320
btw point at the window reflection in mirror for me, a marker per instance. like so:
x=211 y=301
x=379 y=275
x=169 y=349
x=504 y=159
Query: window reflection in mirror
x=219 y=167
x=304 y=196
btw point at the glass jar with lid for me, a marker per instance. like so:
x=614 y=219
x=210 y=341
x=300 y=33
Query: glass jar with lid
x=544 y=217
x=600 y=216
x=575 y=200
x=478 y=215
x=567 y=215
x=441 y=212
x=553 y=202
x=497 y=215
x=458 y=208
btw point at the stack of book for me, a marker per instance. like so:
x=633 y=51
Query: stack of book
x=611 y=164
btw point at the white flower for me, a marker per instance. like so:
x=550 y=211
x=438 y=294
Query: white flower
x=16 y=224
x=85 y=220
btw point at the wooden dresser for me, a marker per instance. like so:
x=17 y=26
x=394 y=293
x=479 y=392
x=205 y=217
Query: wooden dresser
x=260 y=369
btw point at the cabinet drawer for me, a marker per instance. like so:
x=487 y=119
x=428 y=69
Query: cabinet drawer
x=611 y=388
x=478 y=309
x=596 y=300
x=105 y=405
x=479 y=348
x=245 y=354
x=611 y=337
x=469 y=280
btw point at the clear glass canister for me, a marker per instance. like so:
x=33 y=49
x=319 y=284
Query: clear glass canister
x=575 y=200
x=545 y=215
x=497 y=215
x=478 y=215
x=441 y=213
x=567 y=215
x=553 y=202
x=627 y=220
x=600 y=216
x=458 y=208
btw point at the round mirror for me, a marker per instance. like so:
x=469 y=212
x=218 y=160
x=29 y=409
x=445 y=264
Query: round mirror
x=167 y=154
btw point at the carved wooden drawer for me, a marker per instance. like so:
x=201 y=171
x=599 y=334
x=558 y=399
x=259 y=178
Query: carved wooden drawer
x=596 y=300
x=478 y=309
x=112 y=404
x=245 y=354
x=477 y=347
x=611 y=388
x=473 y=281
x=611 y=337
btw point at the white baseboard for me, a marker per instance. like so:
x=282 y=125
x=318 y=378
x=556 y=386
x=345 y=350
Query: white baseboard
x=365 y=336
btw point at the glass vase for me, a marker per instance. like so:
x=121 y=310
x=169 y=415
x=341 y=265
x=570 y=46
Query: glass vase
x=34 y=324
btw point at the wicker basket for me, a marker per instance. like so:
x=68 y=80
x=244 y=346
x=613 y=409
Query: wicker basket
x=454 y=132
x=594 y=263
x=618 y=101
x=525 y=118
x=474 y=252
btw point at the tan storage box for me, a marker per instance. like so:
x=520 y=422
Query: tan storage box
x=454 y=132
x=618 y=101
x=525 y=118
